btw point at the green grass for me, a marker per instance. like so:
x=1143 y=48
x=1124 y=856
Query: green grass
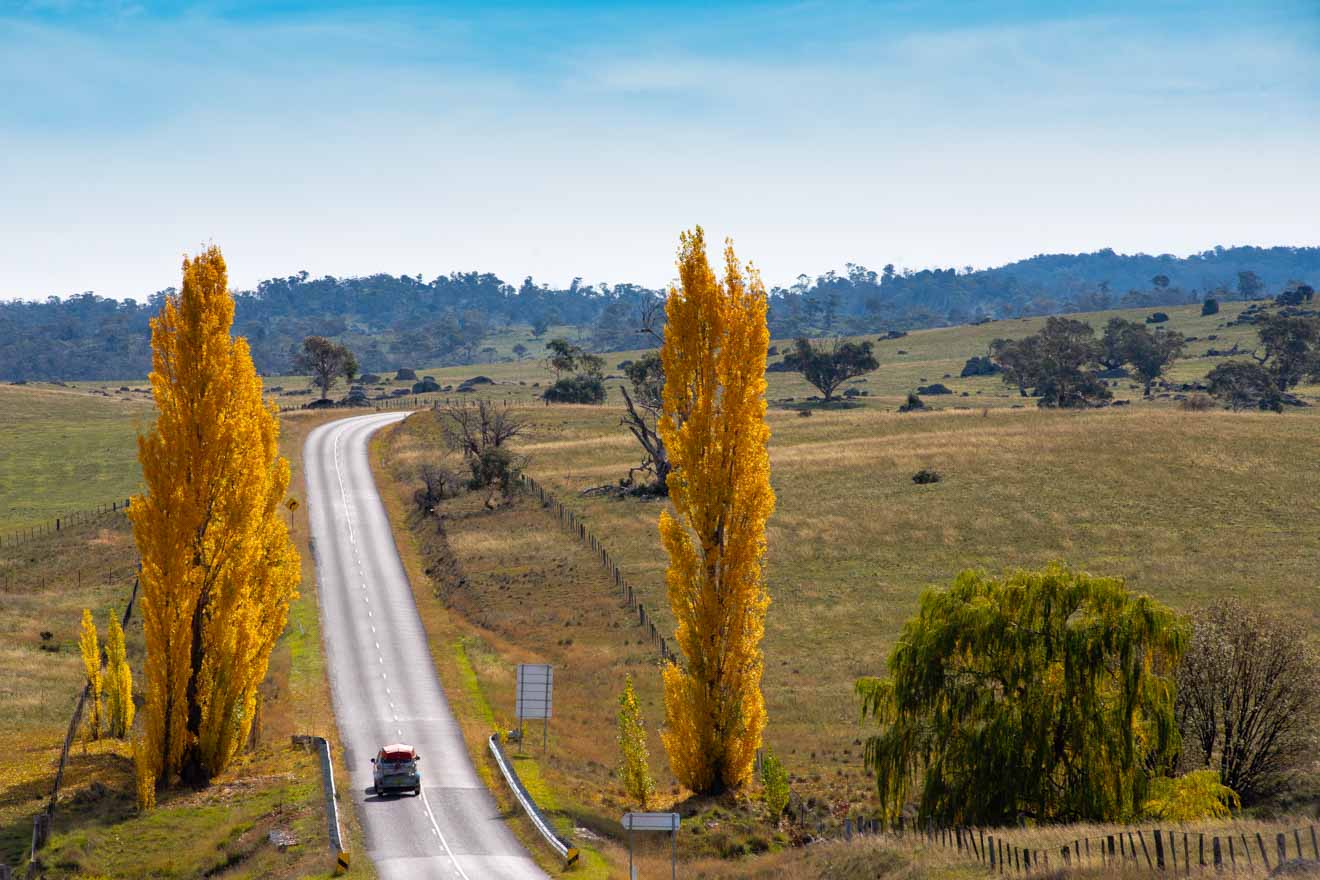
x=64 y=450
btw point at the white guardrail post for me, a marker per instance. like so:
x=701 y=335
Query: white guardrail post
x=564 y=848
x=331 y=798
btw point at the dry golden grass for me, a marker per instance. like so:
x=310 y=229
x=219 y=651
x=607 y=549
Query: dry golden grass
x=1186 y=506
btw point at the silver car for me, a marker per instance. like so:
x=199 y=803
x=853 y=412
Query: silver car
x=396 y=769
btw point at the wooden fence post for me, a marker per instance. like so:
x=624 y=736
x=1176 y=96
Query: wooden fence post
x=1260 y=842
x=1297 y=836
x=1232 y=856
x=1315 y=847
x=1145 y=852
x=991 y=852
x=1246 y=848
x=1218 y=854
x=1159 y=848
x=1281 y=842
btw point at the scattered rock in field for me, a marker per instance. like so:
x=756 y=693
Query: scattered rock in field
x=926 y=476
x=282 y=838
x=937 y=388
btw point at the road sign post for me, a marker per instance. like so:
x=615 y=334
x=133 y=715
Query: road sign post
x=653 y=822
x=533 y=697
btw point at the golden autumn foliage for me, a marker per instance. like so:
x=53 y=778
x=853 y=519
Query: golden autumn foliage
x=218 y=569
x=91 y=657
x=635 y=758
x=118 y=682
x=713 y=425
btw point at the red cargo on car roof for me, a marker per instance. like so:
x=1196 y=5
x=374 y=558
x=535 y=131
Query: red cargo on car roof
x=398 y=752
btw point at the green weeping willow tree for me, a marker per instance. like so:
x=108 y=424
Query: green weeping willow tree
x=1044 y=695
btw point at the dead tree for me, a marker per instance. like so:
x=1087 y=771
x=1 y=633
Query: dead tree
x=641 y=417
x=480 y=431
x=472 y=428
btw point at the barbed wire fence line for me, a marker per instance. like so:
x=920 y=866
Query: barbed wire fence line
x=625 y=590
x=55 y=525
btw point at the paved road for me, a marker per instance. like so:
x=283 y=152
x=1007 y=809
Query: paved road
x=384 y=683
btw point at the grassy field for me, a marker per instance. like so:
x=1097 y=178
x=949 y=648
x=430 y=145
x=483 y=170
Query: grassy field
x=63 y=450
x=1186 y=506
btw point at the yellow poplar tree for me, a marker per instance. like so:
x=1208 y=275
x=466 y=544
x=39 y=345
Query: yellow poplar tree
x=713 y=424
x=218 y=569
x=635 y=763
x=91 y=657
x=118 y=682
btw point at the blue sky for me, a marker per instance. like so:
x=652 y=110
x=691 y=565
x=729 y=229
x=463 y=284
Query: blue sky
x=579 y=138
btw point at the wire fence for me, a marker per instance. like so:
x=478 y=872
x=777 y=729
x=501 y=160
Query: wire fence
x=15 y=537
x=1155 y=850
x=578 y=528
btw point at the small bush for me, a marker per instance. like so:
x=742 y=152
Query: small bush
x=1190 y=798
x=495 y=466
x=1157 y=318
x=926 y=476
x=774 y=785
x=914 y=404
x=1210 y=307
x=405 y=375
x=438 y=483
x=369 y=379
x=1198 y=403
x=577 y=389
x=937 y=388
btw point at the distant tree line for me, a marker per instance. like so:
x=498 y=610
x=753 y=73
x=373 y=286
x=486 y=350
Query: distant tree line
x=390 y=321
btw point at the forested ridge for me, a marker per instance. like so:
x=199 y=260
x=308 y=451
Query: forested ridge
x=392 y=321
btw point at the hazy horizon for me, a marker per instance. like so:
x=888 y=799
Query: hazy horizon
x=347 y=139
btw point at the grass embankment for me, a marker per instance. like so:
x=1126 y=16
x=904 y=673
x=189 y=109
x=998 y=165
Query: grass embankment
x=221 y=831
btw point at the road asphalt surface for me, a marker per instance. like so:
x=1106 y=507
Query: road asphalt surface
x=384 y=682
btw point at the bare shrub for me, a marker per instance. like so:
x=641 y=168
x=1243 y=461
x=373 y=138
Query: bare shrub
x=1198 y=403
x=438 y=483
x=1248 y=698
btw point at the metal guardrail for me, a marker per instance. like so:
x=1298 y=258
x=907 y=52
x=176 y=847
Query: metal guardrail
x=331 y=797
x=560 y=845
